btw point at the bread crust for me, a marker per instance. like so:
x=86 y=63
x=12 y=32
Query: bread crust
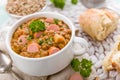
x=112 y=60
x=98 y=23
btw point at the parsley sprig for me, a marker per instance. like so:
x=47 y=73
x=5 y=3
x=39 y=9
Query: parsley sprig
x=84 y=66
x=61 y=3
x=30 y=37
x=56 y=21
x=49 y=41
x=37 y=26
x=58 y=3
x=74 y=1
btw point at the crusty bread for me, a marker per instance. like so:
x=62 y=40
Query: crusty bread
x=112 y=60
x=98 y=23
x=116 y=61
x=107 y=65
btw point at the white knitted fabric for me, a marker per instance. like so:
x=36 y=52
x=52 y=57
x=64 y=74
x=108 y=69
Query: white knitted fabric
x=96 y=52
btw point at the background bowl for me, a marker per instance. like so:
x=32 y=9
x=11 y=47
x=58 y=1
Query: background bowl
x=18 y=17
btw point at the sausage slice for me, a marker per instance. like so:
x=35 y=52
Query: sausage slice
x=32 y=48
x=50 y=20
x=53 y=50
x=53 y=27
x=37 y=34
x=22 y=39
x=76 y=76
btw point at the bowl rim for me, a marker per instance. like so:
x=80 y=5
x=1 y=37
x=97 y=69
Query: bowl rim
x=9 y=36
x=18 y=17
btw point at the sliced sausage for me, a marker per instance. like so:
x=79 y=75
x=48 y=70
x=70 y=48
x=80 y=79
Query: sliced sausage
x=53 y=27
x=53 y=50
x=50 y=20
x=76 y=76
x=37 y=34
x=32 y=48
x=22 y=39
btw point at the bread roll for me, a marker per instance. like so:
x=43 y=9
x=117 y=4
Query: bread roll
x=116 y=61
x=98 y=23
x=112 y=60
x=107 y=64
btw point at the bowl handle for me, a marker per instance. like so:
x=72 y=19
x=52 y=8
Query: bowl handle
x=80 y=45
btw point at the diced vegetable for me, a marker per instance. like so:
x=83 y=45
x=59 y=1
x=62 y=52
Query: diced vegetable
x=29 y=37
x=59 y=39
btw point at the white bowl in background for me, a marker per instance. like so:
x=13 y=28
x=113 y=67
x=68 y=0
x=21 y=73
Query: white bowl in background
x=18 y=17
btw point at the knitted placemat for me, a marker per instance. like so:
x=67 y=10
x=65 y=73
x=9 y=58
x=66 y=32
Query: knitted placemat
x=96 y=52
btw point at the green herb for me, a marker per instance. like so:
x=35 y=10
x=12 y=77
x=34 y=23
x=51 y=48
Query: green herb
x=56 y=21
x=85 y=69
x=43 y=34
x=20 y=40
x=75 y=64
x=84 y=66
x=74 y=1
x=29 y=37
x=41 y=42
x=37 y=26
x=58 y=3
x=49 y=40
x=20 y=26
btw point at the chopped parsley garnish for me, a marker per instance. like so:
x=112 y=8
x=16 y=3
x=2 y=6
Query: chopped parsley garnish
x=37 y=26
x=41 y=42
x=43 y=34
x=56 y=21
x=84 y=66
x=75 y=64
x=74 y=1
x=20 y=26
x=58 y=3
x=49 y=40
x=29 y=37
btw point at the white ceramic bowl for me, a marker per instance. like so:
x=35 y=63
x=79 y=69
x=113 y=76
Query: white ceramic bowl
x=18 y=17
x=50 y=64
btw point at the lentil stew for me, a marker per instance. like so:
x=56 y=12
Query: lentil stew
x=40 y=37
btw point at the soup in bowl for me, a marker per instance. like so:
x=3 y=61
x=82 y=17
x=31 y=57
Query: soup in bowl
x=41 y=44
x=40 y=37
